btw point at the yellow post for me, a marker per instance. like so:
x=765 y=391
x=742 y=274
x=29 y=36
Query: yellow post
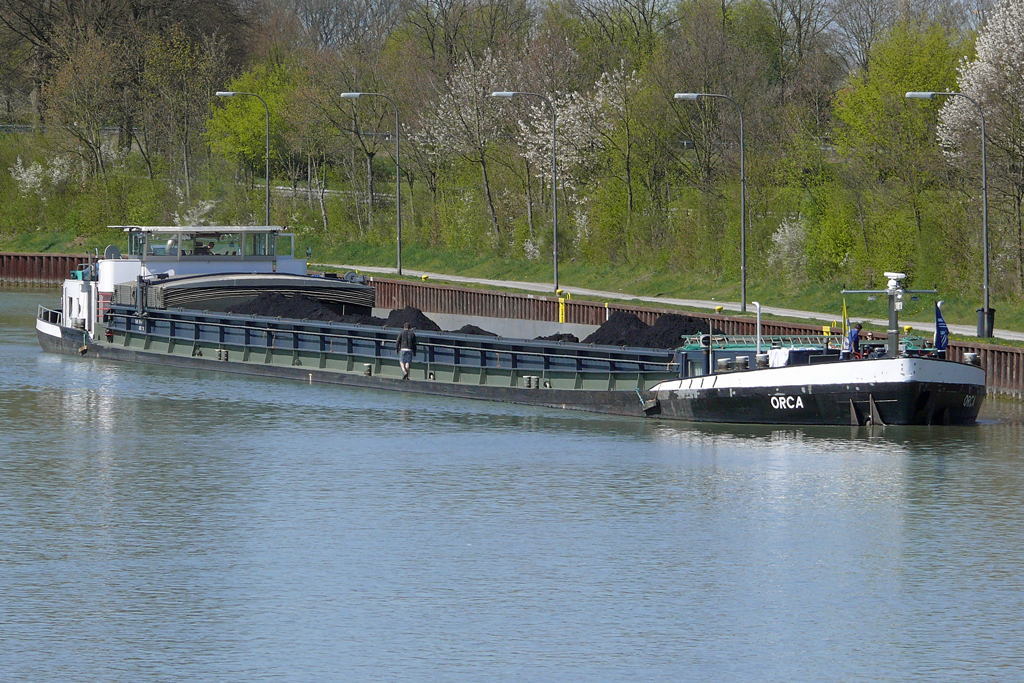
x=561 y=309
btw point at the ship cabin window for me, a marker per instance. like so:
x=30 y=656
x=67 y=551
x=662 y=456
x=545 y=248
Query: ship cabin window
x=158 y=247
x=216 y=244
x=195 y=244
x=137 y=244
x=260 y=244
x=203 y=244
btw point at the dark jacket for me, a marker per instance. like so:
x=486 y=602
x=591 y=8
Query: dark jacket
x=406 y=340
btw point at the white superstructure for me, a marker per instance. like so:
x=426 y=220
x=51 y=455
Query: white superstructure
x=863 y=373
x=176 y=250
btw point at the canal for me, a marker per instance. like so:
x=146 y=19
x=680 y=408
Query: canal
x=163 y=525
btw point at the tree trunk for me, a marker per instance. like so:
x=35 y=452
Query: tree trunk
x=355 y=192
x=184 y=161
x=370 y=190
x=97 y=155
x=863 y=227
x=529 y=200
x=144 y=151
x=321 y=189
x=309 y=178
x=1020 y=238
x=490 y=199
x=412 y=205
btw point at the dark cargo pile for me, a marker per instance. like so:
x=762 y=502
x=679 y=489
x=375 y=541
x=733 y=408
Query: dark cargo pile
x=560 y=337
x=473 y=329
x=625 y=329
x=273 y=304
x=621 y=329
x=413 y=316
x=300 y=307
x=669 y=329
x=362 y=320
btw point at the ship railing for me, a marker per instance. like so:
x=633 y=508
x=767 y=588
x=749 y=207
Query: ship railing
x=376 y=344
x=910 y=344
x=767 y=341
x=49 y=315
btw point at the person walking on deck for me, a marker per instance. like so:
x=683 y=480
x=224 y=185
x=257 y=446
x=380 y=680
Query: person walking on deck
x=406 y=343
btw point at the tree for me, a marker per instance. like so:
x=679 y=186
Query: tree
x=338 y=24
x=238 y=129
x=858 y=25
x=83 y=96
x=38 y=23
x=800 y=27
x=464 y=121
x=450 y=31
x=367 y=124
x=894 y=162
x=707 y=56
x=180 y=77
x=14 y=83
x=631 y=28
x=616 y=99
x=576 y=116
x=993 y=80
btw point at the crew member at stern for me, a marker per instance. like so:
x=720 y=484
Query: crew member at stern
x=851 y=345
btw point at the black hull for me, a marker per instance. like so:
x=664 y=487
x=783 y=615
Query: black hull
x=896 y=403
x=70 y=343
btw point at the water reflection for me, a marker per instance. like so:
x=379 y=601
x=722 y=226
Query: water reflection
x=166 y=524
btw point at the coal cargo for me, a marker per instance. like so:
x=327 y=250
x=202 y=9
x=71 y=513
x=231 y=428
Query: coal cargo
x=670 y=329
x=473 y=329
x=626 y=329
x=560 y=337
x=413 y=316
x=277 y=305
x=300 y=307
x=621 y=329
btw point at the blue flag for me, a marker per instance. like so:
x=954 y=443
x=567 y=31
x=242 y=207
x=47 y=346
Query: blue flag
x=941 y=331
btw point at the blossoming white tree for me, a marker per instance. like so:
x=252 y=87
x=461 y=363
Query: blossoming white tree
x=994 y=80
x=464 y=121
x=577 y=145
x=589 y=125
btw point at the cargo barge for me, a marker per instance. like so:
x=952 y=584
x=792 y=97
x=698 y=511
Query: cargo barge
x=169 y=302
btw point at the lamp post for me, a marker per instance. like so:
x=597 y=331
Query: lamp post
x=554 y=172
x=693 y=97
x=398 y=166
x=986 y=323
x=232 y=93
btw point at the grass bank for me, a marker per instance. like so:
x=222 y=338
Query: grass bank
x=770 y=290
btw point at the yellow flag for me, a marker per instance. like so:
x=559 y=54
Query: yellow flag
x=846 y=320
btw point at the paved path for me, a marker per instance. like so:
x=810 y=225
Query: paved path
x=545 y=288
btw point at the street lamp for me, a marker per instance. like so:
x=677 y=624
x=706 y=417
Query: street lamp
x=986 y=323
x=232 y=93
x=693 y=97
x=554 y=172
x=398 y=165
